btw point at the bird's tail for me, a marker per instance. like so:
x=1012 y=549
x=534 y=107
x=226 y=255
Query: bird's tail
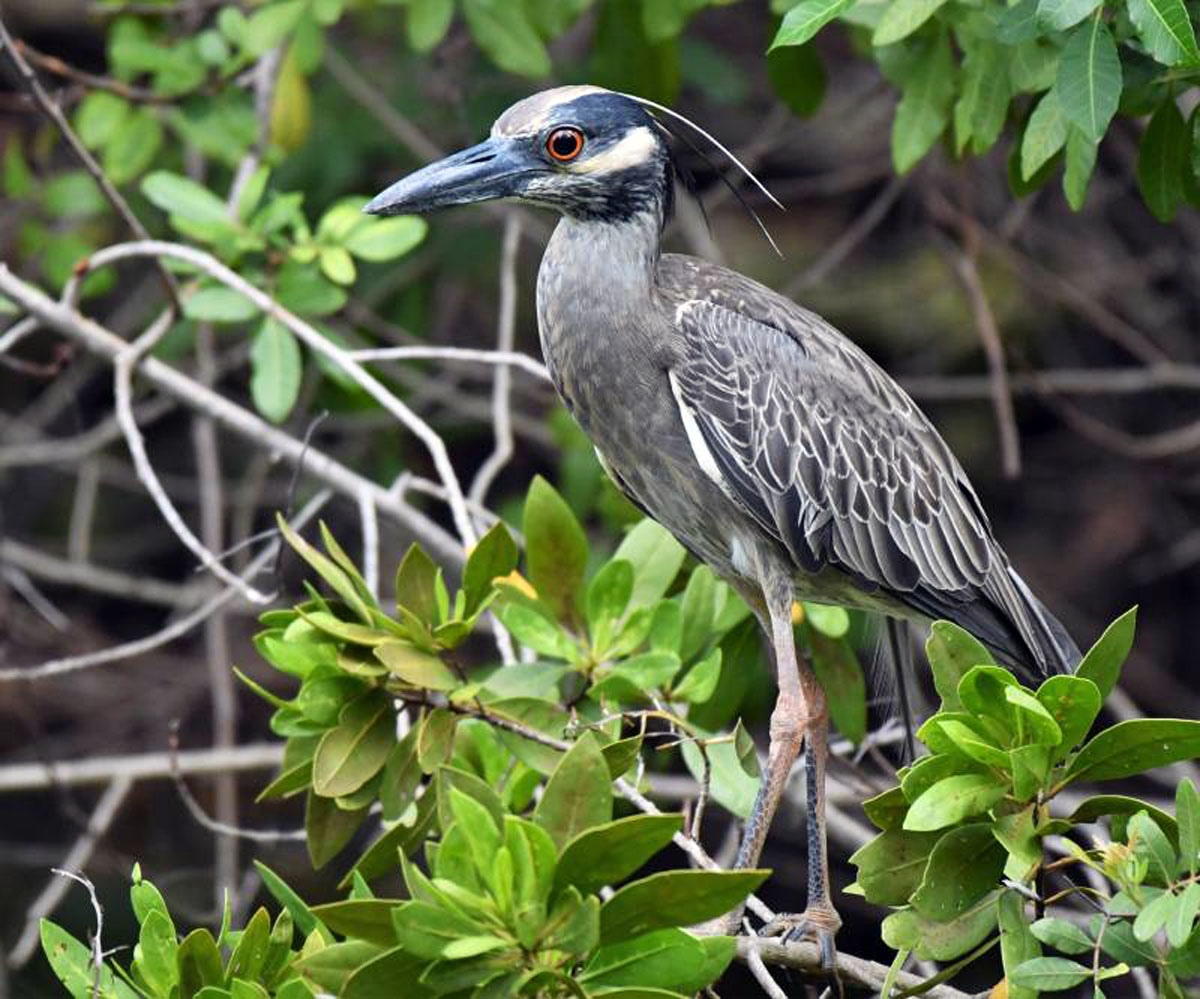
x=1052 y=647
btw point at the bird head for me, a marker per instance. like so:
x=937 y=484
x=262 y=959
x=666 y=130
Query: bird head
x=583 y=151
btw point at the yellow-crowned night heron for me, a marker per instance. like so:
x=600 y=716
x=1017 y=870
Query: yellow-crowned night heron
x=770 y=445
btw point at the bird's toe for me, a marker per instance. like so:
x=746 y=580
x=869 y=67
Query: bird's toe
x=816 y=924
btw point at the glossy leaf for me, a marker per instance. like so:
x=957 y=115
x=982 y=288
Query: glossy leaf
x=1134 y=746
x=1049 y=974
x=1045 y=134
x=901 y=18
x=386 y=239
x=1166 y=29
x=578 y=795
x=951 y=800
x=805 y=19
x=1017 y=942
x=1187 y=814
x=609 y=853
x=952 y=651
x=655 y=556
x=965 y=865
x=1162 y=159
x=416 y=667
x=927 y=91
x=1089 y=78
x=892 y=865
x=841 y=677
x=556 y=549
x=1059 y=15
x=1073 y=702
x=674 y=898
x=356 y=749
x=941 y=941
x=494 y=555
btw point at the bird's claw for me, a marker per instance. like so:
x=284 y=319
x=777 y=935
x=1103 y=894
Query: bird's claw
x=818 y=925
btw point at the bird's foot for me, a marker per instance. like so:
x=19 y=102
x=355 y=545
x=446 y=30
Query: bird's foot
x=817 y=924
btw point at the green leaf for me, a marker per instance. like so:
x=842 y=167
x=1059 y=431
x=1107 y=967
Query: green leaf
x=248 y=956
x=435 y=740
x=607 y=597
x=1018 y=23
x=133 y=146
x=1183 y=915
x=337 y=264
x=328 y=828
x=71 y=962
x=1162 y=159
x=427 y=22
x=377 y=978
x=1100 y=805
x=414 y=584
x=964 y=865
x=841 y=678
x=503 y=31
x=183 y=197
x=953 y=799
x=427 y=930
x=891 y=866
x=421 y=669
x=665 y=959
x=1074 y=703
x=1059 y=15
x=1152 y=843
x=1131 y=747
x=355 y=751
x=1045 y=134
x=219 y=305
x=797 y=77
x=730 y=785
x=832 y=622
x=387 y=239
x=1017 y=942
x=1080 y=162
x=1062 y=935
x=1166 y=30
x=608 y=854
x=556 y=549
x=330 y=967
x=99 y=116
x=804 y=20
x=1039 y=724
x=277 y=370
x=902 y=18
x=494 y=555
x=1089 y=78
x=701 y=680
x=1049 y=974
x=941 y=941
x=1030 y=766
x=655 y=556
x=301 y=914
x=200 y=963
x=536 y=631
x=305 y=292
x=1154 y=915
x=697 y=610
x=157 y=954
x=268 y=25
x=674 y=898
x=578 y=795
x=952 y=651
x=982 y=106
x=1187 y=814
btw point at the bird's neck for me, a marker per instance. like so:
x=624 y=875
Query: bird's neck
x=612 y=261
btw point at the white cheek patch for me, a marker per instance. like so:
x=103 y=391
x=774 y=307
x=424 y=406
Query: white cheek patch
x=637 y=147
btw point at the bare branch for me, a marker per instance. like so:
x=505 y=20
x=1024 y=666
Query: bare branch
x=107 y=344
x=175 y=629
x=501 y=358
x=137 y=767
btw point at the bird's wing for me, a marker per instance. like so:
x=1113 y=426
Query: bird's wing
x=829 y=455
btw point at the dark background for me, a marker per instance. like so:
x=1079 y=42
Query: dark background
x=1101 y=515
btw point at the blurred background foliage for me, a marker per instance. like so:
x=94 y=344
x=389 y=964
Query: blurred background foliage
x=951 y=171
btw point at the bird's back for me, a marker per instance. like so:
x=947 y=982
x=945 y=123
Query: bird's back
x=835 y=463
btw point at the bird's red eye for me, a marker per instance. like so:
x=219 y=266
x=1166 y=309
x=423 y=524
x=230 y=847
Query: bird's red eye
x=564 y=144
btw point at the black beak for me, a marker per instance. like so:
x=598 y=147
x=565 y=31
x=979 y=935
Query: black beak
x=493 y=169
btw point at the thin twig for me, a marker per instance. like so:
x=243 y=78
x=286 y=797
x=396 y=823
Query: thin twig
x=964 y=264
x=761 y=975
x=178 y=627
x=223 y=829
x=48 y=899
x=320 y=344
x=501 y=358
x=105 y=343
x=505 y=334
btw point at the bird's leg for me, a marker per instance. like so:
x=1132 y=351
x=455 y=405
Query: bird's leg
x=787 y=720
x=819 y=921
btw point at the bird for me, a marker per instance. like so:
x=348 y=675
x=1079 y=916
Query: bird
x=766 y=441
